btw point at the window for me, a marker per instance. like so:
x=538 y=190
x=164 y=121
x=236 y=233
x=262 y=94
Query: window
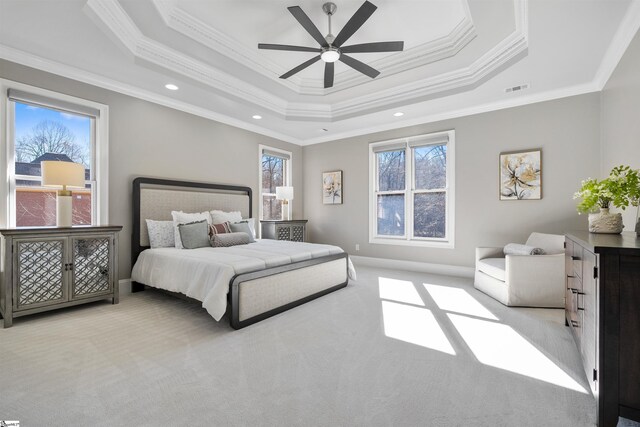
x=411 y=199
x=43 y=125
x=275 y=171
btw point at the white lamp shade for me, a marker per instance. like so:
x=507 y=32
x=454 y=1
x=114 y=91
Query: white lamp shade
x=58 y=174
x=284 y=193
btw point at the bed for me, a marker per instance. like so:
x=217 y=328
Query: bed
x=249 y=282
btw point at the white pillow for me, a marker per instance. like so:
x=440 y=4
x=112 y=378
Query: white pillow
x=218 y=217
x=180 y=217
x=161 y=234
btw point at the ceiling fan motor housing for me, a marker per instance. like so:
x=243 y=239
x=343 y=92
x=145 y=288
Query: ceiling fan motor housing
x=329 y=8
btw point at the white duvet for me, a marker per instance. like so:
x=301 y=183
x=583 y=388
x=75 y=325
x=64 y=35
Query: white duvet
x=204 y=273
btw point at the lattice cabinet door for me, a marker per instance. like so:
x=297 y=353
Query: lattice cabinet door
x=39 y=272
x=297 y=233
x=283 y=232
x=91 y=266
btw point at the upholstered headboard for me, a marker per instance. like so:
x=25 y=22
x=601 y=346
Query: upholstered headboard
x=155 y=198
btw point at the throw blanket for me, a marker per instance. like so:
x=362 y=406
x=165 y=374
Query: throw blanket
x=517 y=249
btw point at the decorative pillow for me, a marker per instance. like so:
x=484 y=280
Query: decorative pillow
x=252 y=225
x=229 y=239
x=225 y=227
x=180 y=217
x=517 y=249
x=160 y=234
x=218 y=217
x=243 y=227
x=194 y=234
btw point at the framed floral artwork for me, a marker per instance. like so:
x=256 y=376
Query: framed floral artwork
x=521 y=175
x=332 y=188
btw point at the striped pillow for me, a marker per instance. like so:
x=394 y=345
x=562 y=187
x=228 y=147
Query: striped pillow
x=214 y=229
x=230 y=239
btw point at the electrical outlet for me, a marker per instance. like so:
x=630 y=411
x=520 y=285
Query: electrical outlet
x=357 y=246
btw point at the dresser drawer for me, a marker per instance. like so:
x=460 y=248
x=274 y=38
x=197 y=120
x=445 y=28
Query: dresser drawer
x=577 y=256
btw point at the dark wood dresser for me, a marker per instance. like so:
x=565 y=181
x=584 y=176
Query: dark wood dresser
x=602 y=308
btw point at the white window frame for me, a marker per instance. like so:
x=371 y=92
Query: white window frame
x=407 y=238
x=100 y=159
x=287 y=174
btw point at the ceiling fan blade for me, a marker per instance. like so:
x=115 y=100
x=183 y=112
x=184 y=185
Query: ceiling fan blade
x=328 y=74
x=300 y=67
x=374 y=47
x=356 y=21
x=359 y=66
x=304 y=20
x=288 y=47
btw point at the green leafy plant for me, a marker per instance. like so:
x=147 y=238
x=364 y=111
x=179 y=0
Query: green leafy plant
x=620 y=189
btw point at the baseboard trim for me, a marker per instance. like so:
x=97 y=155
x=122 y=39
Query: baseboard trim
x=422 y=267
x=125 y=286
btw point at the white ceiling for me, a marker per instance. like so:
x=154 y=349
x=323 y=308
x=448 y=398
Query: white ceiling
x=459 y=56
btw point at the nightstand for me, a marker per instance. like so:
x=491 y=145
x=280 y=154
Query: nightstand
x=294 y=230
x=53 y=267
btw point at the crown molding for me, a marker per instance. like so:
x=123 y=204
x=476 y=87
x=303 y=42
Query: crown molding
x=121 y=27
x=145 y=50
x=179 y=20
x=53 y=67
x=190 y=26
x=426 y=53
x=477 y=109
x=626 y=32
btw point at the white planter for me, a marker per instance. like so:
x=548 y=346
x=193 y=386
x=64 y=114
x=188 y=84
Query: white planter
x=605 y=222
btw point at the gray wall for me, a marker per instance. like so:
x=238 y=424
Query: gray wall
x=621 y=118
x=146 y=139
x=567 y=130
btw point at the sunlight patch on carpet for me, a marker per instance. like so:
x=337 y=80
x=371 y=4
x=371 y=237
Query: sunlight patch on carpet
x=458 y=301
x=399 y=290
x=500 y=346
x=414 y=325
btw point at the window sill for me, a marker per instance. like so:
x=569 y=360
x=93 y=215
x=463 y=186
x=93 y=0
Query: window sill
x=441 y=244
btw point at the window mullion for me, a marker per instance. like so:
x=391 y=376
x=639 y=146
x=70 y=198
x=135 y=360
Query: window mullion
x=408 y=186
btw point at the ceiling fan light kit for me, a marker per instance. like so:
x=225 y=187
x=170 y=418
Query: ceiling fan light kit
x=331 y=48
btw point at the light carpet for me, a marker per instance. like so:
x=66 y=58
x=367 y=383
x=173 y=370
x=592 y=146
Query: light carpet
x=158 y=360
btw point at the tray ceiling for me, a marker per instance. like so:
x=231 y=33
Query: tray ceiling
x=458 y=55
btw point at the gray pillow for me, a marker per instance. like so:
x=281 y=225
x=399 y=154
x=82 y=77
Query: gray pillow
x=229 y=239
x=194 y=234
x=243 y=227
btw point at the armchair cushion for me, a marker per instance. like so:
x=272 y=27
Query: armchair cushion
x=494 y=267
x=551 y=243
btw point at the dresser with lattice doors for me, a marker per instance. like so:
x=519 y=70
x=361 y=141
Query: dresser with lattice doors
x=46 y=268
x=293 y=230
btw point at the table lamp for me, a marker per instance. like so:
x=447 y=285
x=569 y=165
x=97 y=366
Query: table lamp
x=285 y=194
x=62 y=174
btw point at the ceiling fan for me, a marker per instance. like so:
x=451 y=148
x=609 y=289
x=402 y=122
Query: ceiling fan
x=332 y=48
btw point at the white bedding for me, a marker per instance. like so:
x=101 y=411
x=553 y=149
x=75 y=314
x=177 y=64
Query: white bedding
x=204 y=273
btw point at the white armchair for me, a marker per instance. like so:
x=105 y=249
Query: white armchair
x=524 y=280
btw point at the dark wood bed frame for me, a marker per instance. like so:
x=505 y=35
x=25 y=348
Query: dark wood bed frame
x=235 y=283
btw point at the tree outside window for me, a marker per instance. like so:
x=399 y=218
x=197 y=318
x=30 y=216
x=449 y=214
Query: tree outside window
x=45 y=134
x=411 y=194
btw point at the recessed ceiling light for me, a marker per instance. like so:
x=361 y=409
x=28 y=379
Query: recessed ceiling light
x=171 y=86
x=257 y=117
x=398 y=114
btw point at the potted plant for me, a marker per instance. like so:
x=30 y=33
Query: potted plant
x=620 y=189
